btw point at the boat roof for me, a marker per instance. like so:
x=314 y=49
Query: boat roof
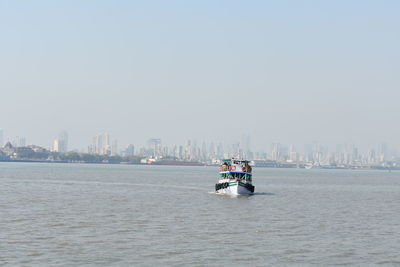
x=234 y=159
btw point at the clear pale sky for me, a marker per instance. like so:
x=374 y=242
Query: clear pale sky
x=279 y=71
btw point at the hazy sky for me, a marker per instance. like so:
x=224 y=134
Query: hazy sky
x=279 y=71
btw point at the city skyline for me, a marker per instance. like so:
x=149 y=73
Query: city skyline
x=202 y=151
x=61 y=143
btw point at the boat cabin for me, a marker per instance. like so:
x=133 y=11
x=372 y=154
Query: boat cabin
x=235 y=165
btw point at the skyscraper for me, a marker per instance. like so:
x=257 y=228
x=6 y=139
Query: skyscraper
x=63 y=141
x=114 y=148
x=56 y=145
x=154 y=147
x=383 y=152
x=130 y=150
x=101 y=145
x=245 y=146
x=19 y=141
x=292 y=154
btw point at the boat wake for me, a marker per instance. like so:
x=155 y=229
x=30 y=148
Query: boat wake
x=254 y=194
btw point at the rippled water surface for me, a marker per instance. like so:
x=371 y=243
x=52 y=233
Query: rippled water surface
x=111 y=215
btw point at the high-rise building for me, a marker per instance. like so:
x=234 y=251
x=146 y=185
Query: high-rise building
x=280 y=152
x=100 y=145
x=63 y=141
x=56 y=145
x=220 y=150
x=181 y=152
x=19 y=141
x=204 y=151
x=154 y=147
x=22 y=142
x=371 y=156
x=130 y=150
x=293 y=155
x=383 y=152
x=235 y=151
x=354 y=154
x=245 y=146
x=114 y=148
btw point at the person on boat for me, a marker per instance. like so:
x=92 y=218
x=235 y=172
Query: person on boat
x=225 y=166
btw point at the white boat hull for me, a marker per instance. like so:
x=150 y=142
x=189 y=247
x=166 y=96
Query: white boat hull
x=235 y=190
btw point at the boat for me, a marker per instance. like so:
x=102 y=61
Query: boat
x=235 y=177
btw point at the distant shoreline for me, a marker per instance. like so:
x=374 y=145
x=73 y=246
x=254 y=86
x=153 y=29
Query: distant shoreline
x=102 y=163
x=372 y=168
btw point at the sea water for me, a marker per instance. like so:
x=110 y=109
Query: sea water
x=130 y=215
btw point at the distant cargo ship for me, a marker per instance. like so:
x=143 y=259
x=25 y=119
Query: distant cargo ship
x=235 y=177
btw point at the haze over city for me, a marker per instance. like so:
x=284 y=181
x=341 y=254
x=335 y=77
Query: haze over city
x=199 y=133
x=293 y=72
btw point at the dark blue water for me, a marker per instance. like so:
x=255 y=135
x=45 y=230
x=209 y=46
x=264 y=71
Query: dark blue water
x=111 y=215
